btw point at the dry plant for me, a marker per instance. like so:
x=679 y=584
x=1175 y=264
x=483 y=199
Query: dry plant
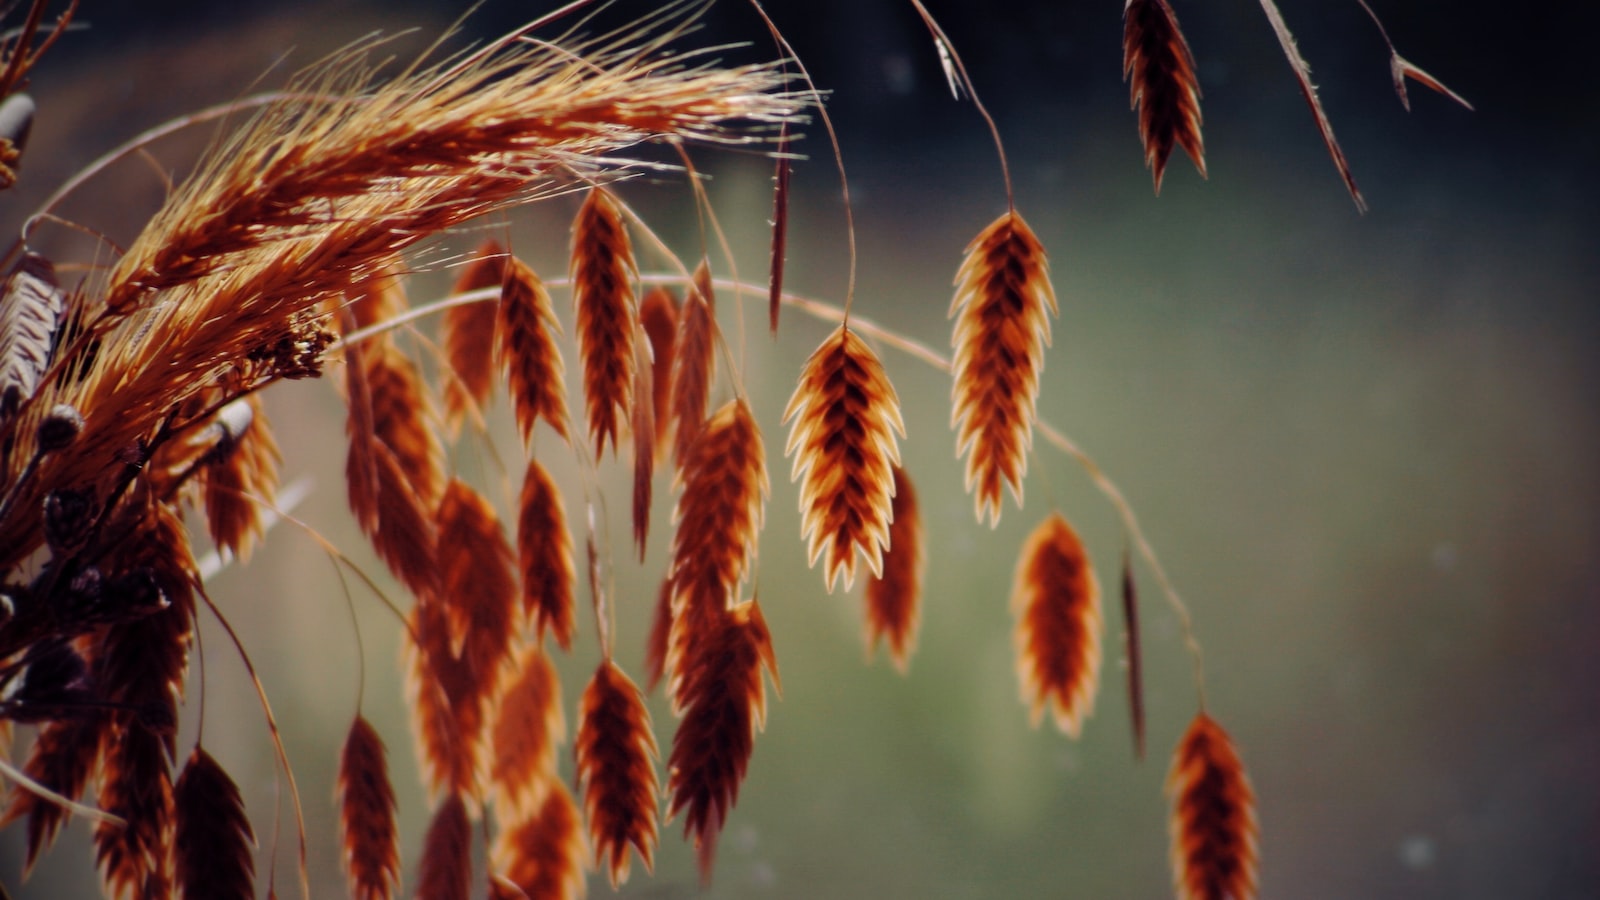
x=130 y=398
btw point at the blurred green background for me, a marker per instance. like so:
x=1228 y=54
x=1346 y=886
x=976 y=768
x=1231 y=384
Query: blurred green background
x=1364 y=446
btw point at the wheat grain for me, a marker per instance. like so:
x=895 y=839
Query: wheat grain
x=1214 y=854
x=1056 y=600
x=845 y=416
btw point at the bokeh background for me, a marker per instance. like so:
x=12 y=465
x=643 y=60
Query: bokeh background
x=1364 y=446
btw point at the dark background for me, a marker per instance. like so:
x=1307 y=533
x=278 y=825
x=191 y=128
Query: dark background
x=1365 y=446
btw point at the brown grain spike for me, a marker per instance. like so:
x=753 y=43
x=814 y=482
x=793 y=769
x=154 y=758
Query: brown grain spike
x=544 y=548
x=615 y=752
x=1163 y=87
x=213 y=846
x=468 y=330
x=603 y=274
x=1002 y=307
x=525 y=342
x=894 y=600
x=1056 y=600
x=367 y=815
x=845 y=416
x=1214 y=853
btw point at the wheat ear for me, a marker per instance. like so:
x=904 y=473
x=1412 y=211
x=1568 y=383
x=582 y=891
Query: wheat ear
x=367 y=815
x=1002 y=307
x=1162 y=84
x=603 y=274
x=845 y=416
x=724 y=703
x=615 y=752
x=468 y=329
x=893 y=599
x=718 y=516
x=213 y=847
x=544 y=551
x=1056 y=600
x=694 y=365
x=445 y=872
x=543 y=854
x=525 y=332
x=1214 y=854
x=528 y=725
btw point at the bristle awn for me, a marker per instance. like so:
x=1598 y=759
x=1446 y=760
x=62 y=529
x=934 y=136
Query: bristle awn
x=833 y=140
x=1132 y=654
x=951 y=61
x=780 y=229
x=1401 y=68
x=1302 y=74
x=277 y=743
